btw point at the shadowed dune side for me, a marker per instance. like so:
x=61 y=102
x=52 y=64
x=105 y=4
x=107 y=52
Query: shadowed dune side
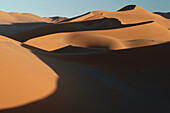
x=97 y=20
x=24 y=78
x=58 y=19
x=92 y=25
x=105 y=23
x=100 y=62
x=12 y=22
x=78 y=40
x=73 y=49
x=165 y=15
x=86 y=15
x=93 y=41
x=129 y=37
x=128 y=15
x=141 y=42
x=108 y=81
x=10 y=29
x=128 y=7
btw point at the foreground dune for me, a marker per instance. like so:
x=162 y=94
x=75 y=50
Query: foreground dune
x=99 y=62
x=23 y=77
x=108 y=81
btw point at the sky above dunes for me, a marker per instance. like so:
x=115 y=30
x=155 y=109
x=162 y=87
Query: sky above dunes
x=70 y=8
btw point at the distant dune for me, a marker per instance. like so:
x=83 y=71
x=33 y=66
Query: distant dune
x=166 y=15
x=12 y=22
x=89 y=22
x=98 y=62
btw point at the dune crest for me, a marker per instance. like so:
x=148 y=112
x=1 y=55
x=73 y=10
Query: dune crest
x=126 y=8
x=143 y=35
x=98 y=62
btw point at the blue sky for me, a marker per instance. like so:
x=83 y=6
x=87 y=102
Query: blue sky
x=71 y=8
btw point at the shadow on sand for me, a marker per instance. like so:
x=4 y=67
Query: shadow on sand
x=131 y=81
x=10 y=29
x=92 y=25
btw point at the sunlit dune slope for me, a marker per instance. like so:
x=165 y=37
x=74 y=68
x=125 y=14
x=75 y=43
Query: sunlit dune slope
x=127 y=15
x=136 y=36
x=23 y=77
x=98 y=20
x=12 y=17
x=98 y=62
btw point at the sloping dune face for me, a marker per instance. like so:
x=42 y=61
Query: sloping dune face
x=12 y=22
x=8 y=18
x=23 y=77
x=93 y=41
x=128 y=15
x=166 y=15
x=86 y=40
x=136 y=36
x=99 y=24
x=133 y=26
x=99 y=62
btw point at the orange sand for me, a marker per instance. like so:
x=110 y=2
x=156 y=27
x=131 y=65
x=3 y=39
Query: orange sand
x=99 y=62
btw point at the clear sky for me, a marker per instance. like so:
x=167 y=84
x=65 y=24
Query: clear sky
x=71 y=8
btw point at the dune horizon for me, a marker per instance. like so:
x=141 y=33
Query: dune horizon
x=97 y=62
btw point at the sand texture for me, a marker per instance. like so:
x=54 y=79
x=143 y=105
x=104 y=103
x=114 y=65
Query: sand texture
x=98 y=62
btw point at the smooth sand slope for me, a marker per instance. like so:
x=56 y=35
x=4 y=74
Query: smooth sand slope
x=12 y=22
x=12 y=17
x=136 y=36
x=132 y=81
x=99 y=24
x=98 y=62
x=130 y=16
x=97 y=20
x=23 y=77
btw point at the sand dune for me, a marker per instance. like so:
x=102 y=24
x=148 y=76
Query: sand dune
x=12 y=22
x=134 y=16
x=99 y=24
x=12 y=17
x=129 y=7
x=23 y=77
x=116 y=81
x=58 y=19
x=6 y=39
x=152 y=33
x=166 y=15
x=98 y=62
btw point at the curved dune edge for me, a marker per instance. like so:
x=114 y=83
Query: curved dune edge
x=117 y=78
x=102 y=19
x=24 y=78
x=93 y=41
x=128 y=79
x=128 y=7
x=77 y=40
x=14 y=17
x=135 y=14
x=3 y=38
x=136 y=36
